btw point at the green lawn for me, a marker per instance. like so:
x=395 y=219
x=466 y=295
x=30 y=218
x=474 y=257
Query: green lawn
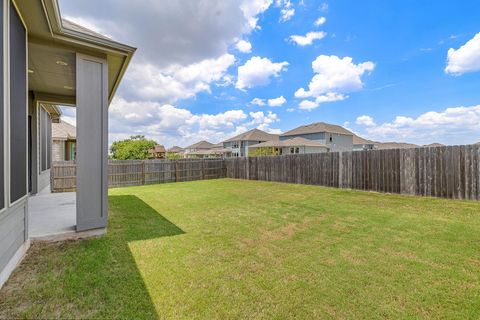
x=243 y=249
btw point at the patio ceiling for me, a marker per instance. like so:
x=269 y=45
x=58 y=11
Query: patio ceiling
x=51 y=70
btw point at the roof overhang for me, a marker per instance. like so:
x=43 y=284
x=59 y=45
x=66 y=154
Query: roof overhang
x=47 y=29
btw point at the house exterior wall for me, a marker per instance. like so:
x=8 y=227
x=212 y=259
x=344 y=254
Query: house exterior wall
x=242 y=149
x=304 y=150
x=338 y=143
x=14 y=211
x=58 y=150
x=361 y=147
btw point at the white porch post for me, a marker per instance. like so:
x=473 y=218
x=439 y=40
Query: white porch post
x=92 y=142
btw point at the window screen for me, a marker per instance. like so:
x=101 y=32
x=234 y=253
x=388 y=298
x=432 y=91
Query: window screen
x=2 y=117
x=18 y=108
x=45 y=140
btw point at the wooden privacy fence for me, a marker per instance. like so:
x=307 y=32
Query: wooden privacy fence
x=140 y=172
x=446 y=172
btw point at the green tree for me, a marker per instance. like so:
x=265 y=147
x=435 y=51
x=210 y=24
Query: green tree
x=264 y=151
x=134 y=148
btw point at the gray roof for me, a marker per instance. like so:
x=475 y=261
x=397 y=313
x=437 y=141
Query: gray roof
x=158 y=148
x=396 y=145
x=294 y=142
x=318 y=127
x=435 y=144
x=254 y=135
x=63 y=131
x=201 y=145
x=360 y=140
x=175 y=149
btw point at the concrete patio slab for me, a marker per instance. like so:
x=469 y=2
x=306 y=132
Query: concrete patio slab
x=51 y=214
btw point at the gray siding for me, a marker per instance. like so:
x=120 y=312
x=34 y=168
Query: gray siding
x=338 y=143
x=319 y=136
x=12 y=232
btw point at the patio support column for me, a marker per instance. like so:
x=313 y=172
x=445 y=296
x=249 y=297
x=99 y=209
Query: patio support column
x=92 y=142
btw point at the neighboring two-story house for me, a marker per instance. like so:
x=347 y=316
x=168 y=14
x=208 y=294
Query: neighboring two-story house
x=238 y=145
x=335 y=137
x=291 y=146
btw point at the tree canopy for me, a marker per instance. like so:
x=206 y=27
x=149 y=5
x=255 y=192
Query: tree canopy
x=133 y=148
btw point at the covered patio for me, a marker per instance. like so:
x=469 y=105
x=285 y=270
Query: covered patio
x=68 y=65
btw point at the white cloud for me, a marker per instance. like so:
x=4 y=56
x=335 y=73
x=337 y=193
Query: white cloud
x=257 y=71
x=328 y=97
x=290 y=110
x=176 y=82
x=307 y=39
x=365 y=121
x=308 y=105
x=458 y=125
x=258 y=102
x=465 y=59
x=171 y=125
x=244 y=46
x=263 y=121
x=252 y=8
x=334 y=77
x=320 y=21
x=277 y=102
x=287 y=11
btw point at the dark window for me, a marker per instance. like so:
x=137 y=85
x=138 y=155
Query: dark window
x=2 y=117
x=18 y=108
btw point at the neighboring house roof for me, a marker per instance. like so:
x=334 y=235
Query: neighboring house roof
x=254 y=135
x=317 y=127
x=175 y=149
x=201 y=145
x=294 y=142
x=63 y=131
x=435 y=144
x=395 y=145
x=157 y=149
x=360 y=140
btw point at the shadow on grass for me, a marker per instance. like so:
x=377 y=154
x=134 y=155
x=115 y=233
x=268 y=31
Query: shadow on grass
x=96 y=278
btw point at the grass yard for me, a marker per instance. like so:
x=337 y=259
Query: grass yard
x=244 y=249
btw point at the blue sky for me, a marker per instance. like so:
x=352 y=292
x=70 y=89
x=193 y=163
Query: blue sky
x=381 y=68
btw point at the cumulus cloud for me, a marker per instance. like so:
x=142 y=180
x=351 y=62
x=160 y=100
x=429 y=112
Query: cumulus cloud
x=257 y=72
x=334 y=77
x=320 y=21
x=167 y=85
x=277 y=102
x=328 y=97
x=307 y=39
x=365 y=121
x=258 y=102
x=287 y=10
x=263 y=121
x=212 y=25
x=171 y=125
x=457 y=125
x=244 y=46
x=464 y=59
